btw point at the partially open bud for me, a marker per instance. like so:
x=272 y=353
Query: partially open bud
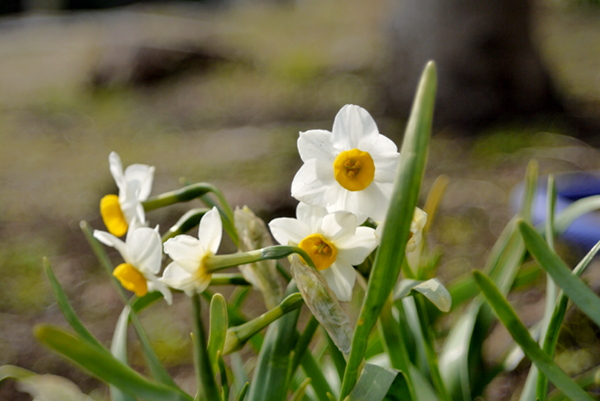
x=323 y=303
x=262 y=275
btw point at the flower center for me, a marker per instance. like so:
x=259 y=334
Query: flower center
x=131 y=279
x=354 y=169
x=113 y=216
x=321 y=251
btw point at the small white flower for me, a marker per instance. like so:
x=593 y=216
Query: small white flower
x=333 y=241
x=351 y=168
x=416 y=230
x=142 y=253
x=187 y=272
x=134 y=186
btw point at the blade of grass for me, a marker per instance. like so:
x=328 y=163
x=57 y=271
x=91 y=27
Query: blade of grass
x=390 y=254
x=521 y=335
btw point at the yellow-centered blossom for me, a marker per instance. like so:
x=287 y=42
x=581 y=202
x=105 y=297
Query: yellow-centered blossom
x=334 y=242
x=142 y=255
x=352 y=168
x=135 y=184
x=187 y=272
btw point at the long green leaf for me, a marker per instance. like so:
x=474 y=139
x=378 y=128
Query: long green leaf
x=106 y=367
x=205 y=376
x=576 y=290
x=67 y=310
x=156 y=368
x=217 y=329
x=118 y=349
x=521 y=335
x=272 y=371
x=375 y=383
x=390 y=254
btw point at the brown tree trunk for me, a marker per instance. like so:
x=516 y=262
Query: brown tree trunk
x=488 y=68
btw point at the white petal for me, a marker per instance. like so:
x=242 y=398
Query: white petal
x=378 y=145
x=143 y=175
x=111 y=240
x=340 y=277
x=310 y=183
x=357 y=247
x=145 y=249
x=348 y=201
x=311 y=216
x=154 y=284
x=129 y=203
x=116 y=169
x=178 y=278
x=338 y=225
x=211 y=230
x=352 y=124
x=373 y=201
x=186 y=251
x=316 y=144
x=287 y=231
x=386 y=167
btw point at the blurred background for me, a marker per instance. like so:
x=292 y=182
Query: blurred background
x=217 y=91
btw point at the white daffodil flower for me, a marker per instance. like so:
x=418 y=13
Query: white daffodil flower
x=334 y=242
x=187 y=272
x=350 y=169
x=142 y=253
x=134 y=186
x=416 y=230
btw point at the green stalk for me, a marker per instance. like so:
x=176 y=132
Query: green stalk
x=219 y=262
x=395 y=345
x=207 y=386
x=388 y=261
x=430 y=353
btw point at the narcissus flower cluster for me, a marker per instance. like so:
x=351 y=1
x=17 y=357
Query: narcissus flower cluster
x=347 y=178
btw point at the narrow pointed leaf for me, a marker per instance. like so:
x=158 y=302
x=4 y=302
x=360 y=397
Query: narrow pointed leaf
x=218 y=329
x=576 y=290
x=106 y=367
x=520 y=334
x=377 y=383
x=67 y=310
x=432 y=289
x=299 y=393
x=118 y=349
x=390 y=253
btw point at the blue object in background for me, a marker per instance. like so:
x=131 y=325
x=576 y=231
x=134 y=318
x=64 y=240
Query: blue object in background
x=570 y=187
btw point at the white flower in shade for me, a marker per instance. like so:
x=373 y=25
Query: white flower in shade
x=134 y=186
x=351 y=168
x=188 y=272
x=142 y=253
x=416 y=230
x=333 y=241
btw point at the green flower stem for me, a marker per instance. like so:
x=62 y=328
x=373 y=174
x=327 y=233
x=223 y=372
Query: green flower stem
x=388 y=261
x=185 y=194
x=193 y=191
x=303 y=340
x=185 y=223
x=430 y=353
x=395 y=344
x=207 y=386
x=239 y=335
x=218 y=262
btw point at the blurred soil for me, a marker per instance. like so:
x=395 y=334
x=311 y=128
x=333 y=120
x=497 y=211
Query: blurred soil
x=240 y=85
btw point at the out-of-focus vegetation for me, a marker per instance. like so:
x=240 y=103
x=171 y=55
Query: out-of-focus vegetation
x=234 y=124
